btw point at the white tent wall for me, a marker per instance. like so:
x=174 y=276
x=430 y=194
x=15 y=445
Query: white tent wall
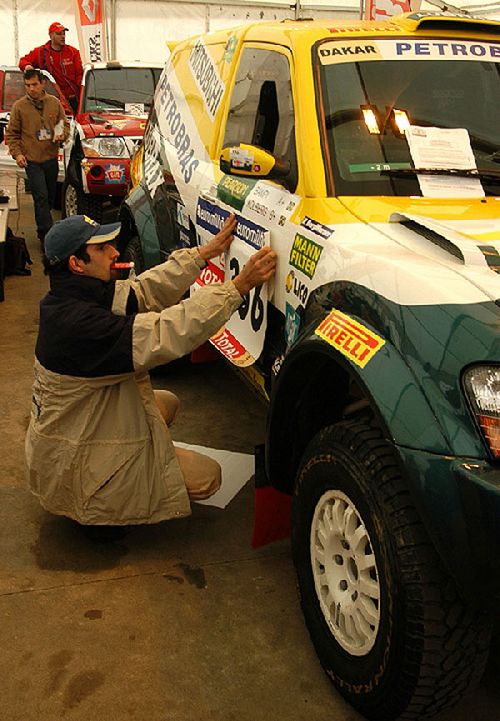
x=142 y=27
x=139 y=29
x=25 y=24
x=8 y=33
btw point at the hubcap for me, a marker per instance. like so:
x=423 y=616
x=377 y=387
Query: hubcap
x=70 y=201
x=345 y=573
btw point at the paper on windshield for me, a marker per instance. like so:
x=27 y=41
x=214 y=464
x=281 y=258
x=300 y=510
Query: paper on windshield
x=135 y=108
x=444 y=149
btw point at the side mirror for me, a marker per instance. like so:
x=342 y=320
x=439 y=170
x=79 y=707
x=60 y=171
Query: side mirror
x=251 y=161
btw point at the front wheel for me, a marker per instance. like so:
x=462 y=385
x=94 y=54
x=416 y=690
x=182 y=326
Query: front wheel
x=385 y=620
x=133 y=253
x=76 y=202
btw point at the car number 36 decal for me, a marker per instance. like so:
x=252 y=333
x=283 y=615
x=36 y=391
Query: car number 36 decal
x=242 y=338
x=257 y=304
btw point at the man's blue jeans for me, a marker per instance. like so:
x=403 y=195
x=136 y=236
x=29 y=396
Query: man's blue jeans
x=43 y=183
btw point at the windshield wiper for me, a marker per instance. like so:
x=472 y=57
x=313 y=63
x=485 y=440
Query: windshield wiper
x=458 y=172
x=107 y=102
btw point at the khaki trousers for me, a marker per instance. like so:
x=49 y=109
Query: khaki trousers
x=202 y=475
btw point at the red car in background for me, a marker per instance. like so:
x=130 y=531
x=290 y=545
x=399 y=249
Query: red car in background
x=115 y=100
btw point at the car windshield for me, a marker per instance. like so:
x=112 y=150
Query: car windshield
x=128 y=90
x=365 y=106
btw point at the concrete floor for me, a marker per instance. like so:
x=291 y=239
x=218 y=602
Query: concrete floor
x=182 y=621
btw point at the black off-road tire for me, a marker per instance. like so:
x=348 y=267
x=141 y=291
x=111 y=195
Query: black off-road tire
x=76 y=202
x=418 y=648
x=133 y=253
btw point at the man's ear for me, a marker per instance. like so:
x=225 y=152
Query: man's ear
x=75 y=265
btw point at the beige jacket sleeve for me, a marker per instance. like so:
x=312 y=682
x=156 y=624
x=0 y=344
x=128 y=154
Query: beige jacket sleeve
x=165 y=284
x=159 y=338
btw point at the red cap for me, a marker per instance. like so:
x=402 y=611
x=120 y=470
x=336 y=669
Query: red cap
x=56 y=28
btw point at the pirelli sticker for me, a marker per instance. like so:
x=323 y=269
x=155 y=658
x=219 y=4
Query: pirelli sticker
x=352 y=339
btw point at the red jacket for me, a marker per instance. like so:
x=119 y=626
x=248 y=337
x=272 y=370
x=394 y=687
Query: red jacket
x=64 y=65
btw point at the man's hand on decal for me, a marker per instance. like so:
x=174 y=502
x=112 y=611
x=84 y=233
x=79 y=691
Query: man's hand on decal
x=220 y=242
x=259 y=268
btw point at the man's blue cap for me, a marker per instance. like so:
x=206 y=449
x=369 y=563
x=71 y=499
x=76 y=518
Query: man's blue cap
x=68 y=235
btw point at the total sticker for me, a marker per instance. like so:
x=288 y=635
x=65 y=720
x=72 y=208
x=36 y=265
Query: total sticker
x=353 y=340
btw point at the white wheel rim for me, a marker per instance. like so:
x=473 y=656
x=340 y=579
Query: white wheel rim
x=345 y=573
x=70 y=201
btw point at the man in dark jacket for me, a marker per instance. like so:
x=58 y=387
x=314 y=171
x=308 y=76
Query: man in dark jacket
x=36 y=127
x=62 y=61
x=98 y=447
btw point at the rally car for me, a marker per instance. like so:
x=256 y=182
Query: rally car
x=114 y=104
x=368 y=156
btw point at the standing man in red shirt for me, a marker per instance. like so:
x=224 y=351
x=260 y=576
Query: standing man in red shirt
x=62 y=61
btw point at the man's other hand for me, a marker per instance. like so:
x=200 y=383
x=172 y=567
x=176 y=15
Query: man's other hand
x=220 y=242
x=21 y=160
x=259 y=268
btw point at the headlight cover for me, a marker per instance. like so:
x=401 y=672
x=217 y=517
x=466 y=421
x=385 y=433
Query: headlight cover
x=482 y=385
x=108 y=147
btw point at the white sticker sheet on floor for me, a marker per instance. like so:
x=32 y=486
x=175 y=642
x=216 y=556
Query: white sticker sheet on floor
x=237 y=469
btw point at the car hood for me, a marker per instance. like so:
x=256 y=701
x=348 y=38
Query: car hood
x=122 y=124
x=453 y=247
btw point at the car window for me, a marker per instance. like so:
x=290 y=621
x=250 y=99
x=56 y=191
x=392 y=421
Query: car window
x=261 y=111
x=445 y=94
x=115 y=89
x=13 y=88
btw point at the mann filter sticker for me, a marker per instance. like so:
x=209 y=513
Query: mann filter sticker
x=352 y=339
x=305 y=255
x=207 y=77
x=343 y=50
x=114 y=173
x=317 y=228
x=233 y=191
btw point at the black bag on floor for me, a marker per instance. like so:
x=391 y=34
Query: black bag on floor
x=16 y=256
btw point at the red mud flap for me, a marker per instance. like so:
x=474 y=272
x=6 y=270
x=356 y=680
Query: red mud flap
x=272 y=508
x=205 y=354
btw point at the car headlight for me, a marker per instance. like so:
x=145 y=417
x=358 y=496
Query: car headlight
x=109 y=147
x=482 y=384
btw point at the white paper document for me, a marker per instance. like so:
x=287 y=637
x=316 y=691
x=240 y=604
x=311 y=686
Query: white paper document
x=443 y=149
x=237 y=469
